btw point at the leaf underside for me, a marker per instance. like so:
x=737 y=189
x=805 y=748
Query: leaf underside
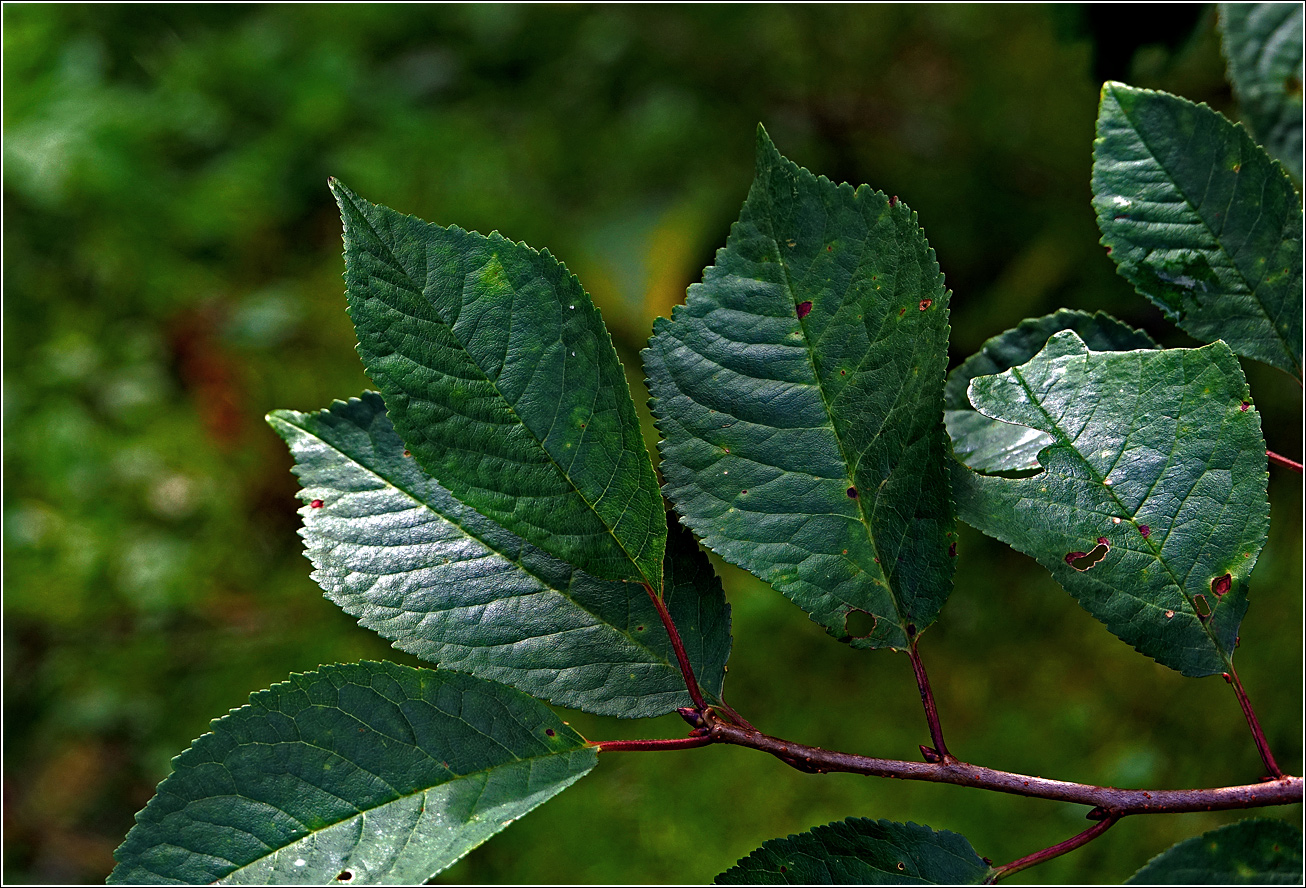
x=989 y=446
x=1201 y=221
x=501 y=378
x=366 y=773
x=858 y=851
x=1250 y=852
x=397 y=551
x=1151 y=507
x=799 y=396
x=1263 y=43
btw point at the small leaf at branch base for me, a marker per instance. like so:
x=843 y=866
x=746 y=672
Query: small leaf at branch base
x=397 y=551
x=858 y=851
x=989 y=446
x=1263 y=43
x=501 y=378
x=371 y=773
x=1154 y=489
x=1201 y=221
x=1250 y=852
x=799 y=396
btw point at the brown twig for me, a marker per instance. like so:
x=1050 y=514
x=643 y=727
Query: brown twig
x=1056 y=850
x=1258 y=736
x=1284 y=791
x=1289 y=464
x=927 y=701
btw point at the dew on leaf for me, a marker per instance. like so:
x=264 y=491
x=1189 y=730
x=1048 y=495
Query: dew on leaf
x=1221 y=585
x=804 y=308
x=315 y=504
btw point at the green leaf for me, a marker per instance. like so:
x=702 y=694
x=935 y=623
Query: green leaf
x=1151 y=508
x=987 y=445
x=397 y=551
x=500 y=376
x=858 y=851
x=1263 y=43
x=366 y=773
x=1201 y=221
x=799 y=396
x=1250 y=852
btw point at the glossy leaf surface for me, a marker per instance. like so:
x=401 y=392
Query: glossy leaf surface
x=366 y=773
x=501 y=378
x=987 y=445
x=1263 y=43
x=1151 y=507
x=1250 y=852
x=1201 y=221
x=858 y=851
x=799 y=395
x=397 y=551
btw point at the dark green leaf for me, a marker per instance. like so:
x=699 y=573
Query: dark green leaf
x=1200 y=219
x=1250 y=852
x=799 y=395
x=500 y=376
x=396 y=550
x=1152 y=504
x=987 y=445
x=366 y=773
x=858 y=851
x=1263 y=43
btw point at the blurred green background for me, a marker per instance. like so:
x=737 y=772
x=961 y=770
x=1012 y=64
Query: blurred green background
x=172 y=271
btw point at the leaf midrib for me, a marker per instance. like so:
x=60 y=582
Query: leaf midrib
x=545 y=584
x=826 y=405
x=1253 y=291
x=1100 y=481
x=421 y=293
x=360 y=812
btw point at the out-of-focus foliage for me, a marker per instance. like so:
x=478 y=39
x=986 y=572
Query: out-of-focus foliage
x=172 y=265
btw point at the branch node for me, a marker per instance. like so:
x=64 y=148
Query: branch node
x=931 y=754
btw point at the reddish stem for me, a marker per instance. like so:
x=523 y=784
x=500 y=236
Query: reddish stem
x=1056 y=850
x=678 y=646
x=652 y=745
x=927 y=700
x=1289 y=464
x=1284 y=791
x=1262 y=745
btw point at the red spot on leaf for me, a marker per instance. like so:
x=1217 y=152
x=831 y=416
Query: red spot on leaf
x=408 y=453
x=804 y=308
x=1103 y=541
x=1085 y=560
x=893 y=201
x=1221 y=585
x=1245 y=406
x=902 y=312
x=852 y=493
x=926 y=303
x=952 y=551
x=1144 y=530
x=316 y=504
x=550 y=732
